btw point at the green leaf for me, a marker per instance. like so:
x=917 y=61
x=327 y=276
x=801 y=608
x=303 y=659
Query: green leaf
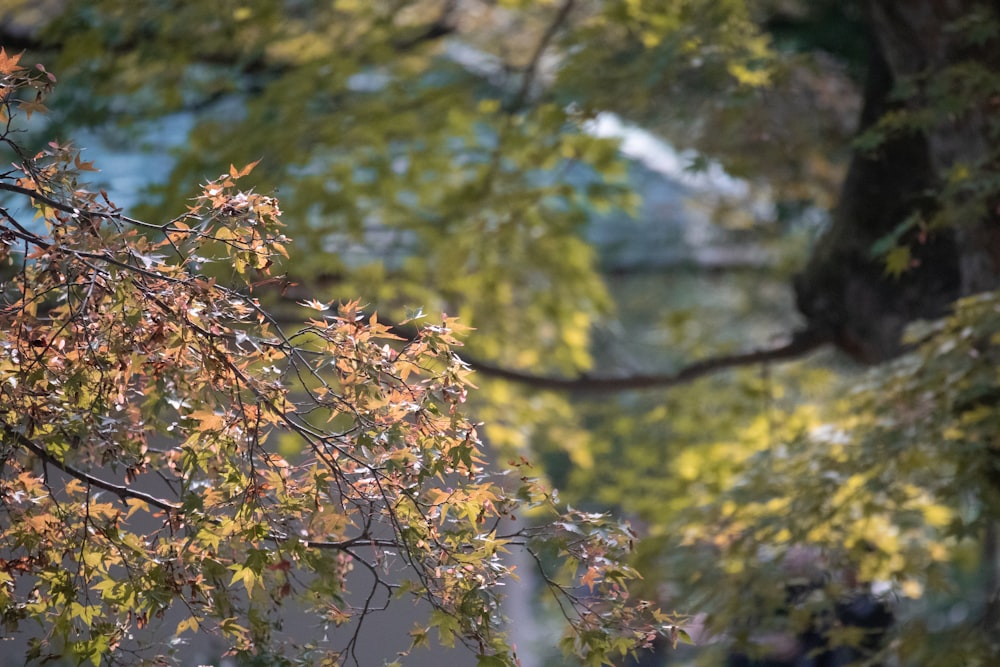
x=447 y=626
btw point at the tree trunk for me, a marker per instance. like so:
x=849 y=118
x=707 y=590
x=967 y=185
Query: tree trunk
x=844 y=290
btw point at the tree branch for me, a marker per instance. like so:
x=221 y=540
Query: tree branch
x=800 y=344
x=531 y=71
x=124 y=493
x=66 y=208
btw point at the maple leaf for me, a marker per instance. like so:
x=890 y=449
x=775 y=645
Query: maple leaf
x=31 y=107
x=592 y=576
x=8 y=64
x=314 y=304
x=239 y=173
x=84 y=166
x=898 y=261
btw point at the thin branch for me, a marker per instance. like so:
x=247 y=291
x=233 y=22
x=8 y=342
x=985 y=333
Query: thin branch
x=124 y=493
x=38 y=196
x=66 y=208
x=531 y=71
x=23 y=233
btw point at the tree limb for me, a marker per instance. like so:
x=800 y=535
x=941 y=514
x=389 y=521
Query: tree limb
x=800 y=344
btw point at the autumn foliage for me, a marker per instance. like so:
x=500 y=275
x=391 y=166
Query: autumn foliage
x=170 y=452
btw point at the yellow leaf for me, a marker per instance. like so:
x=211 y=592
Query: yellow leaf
x=224 y=234
x=190 y=623
x=246 y=575
x=898 y=261
x=207 y=419
x=92 y=558
x=912 y=589
x=937 y=515
x=136 y=506
x=755 y=78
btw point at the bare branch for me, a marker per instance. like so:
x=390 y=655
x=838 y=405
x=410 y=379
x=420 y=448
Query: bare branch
x=531 y=71
x=800 y=344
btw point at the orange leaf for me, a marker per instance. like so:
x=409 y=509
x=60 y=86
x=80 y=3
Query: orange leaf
x=590 y=578
x=31 y=107
x=244 y=171
x=8 y=64
x=85 y=166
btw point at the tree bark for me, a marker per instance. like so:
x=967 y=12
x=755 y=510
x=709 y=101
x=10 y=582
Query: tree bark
x=844 y=290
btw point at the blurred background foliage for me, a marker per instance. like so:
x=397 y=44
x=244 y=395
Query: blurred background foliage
x=606 y=188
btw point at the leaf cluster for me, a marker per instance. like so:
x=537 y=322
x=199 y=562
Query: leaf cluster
x=173 y=457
